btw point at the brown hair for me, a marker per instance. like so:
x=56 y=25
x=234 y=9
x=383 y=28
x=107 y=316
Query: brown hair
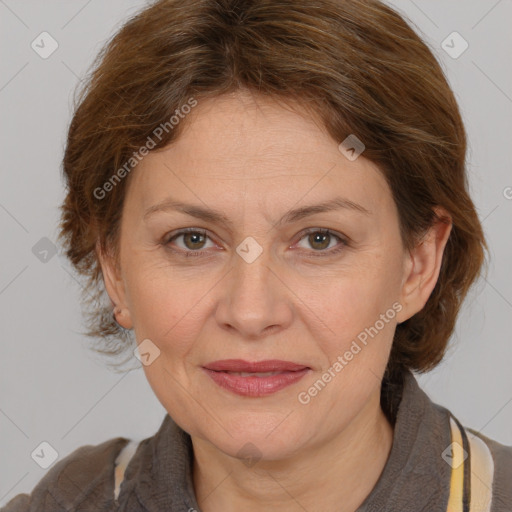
x=357 y=64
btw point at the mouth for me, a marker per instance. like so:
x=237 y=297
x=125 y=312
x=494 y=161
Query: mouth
x=255 y=379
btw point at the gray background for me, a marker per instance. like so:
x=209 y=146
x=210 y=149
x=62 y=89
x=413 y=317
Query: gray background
x=53 y=388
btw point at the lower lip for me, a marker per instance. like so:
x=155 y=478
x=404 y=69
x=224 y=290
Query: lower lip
x=256 y=386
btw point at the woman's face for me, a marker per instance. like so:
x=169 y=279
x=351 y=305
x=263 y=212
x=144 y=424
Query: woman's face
x=255 y=282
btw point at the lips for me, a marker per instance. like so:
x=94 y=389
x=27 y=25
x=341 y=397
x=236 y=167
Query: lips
x=255 y=379
x=239 y=365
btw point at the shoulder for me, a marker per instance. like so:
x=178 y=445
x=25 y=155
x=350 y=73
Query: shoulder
x=84 y=477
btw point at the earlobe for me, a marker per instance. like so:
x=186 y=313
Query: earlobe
x=122 y=317
x=423 y=265
x=114 y=286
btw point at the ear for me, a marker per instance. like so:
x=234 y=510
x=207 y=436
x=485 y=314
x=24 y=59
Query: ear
x=115 y=287
x=422 y=266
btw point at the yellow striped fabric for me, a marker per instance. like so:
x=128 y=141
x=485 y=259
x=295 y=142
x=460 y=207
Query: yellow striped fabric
x=457 y=463
x=121 y=464
x=482 y=472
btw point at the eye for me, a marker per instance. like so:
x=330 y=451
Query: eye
x=322 y=239
x=193 y=241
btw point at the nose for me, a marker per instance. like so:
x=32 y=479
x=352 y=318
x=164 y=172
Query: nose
x=255 y=300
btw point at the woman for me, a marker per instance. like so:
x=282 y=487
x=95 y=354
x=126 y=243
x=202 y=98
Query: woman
x=272 y=195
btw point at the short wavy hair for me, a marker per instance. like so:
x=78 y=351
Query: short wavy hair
x=356 y=64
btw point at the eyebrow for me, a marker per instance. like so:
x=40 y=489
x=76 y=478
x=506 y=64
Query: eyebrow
x=215 y=216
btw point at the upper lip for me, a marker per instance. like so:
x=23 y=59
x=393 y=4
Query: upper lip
x=239 y=365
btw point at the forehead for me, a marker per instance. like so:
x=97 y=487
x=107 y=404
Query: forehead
x=256 y=149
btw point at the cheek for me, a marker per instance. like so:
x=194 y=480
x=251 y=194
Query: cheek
x=358 y=294
x=166 y=304
x=358 y=306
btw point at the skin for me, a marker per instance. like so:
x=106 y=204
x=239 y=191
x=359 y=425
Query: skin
x=254 y=160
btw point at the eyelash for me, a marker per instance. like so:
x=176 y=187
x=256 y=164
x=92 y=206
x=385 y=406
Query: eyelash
x=322 y=254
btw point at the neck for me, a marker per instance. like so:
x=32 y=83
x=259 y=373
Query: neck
x=337 y=475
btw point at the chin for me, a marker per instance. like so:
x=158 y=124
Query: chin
x=255 y=447
x=256 y=436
